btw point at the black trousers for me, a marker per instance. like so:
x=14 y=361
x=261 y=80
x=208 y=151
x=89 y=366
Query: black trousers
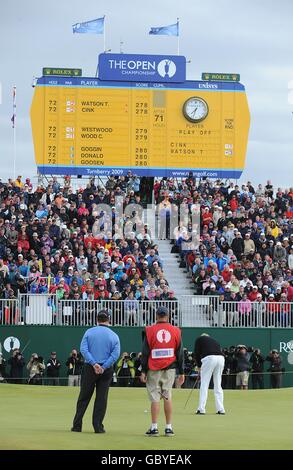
x=257 y=380
x=276 y=380
x=89 y=382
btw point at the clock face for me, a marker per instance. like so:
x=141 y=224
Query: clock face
x=195 y=109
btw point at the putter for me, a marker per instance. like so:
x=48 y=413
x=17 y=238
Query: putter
x=163 y=396
x=194 y=385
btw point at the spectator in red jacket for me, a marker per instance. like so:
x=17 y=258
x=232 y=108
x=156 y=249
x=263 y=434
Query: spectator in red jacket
x=23 y=244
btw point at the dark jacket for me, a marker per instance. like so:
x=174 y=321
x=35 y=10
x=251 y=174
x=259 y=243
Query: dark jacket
x=206 y=346
x=276 y=363
x=74 y=365
x=17 y=364
x=53 y=367
x=257 y=362
x=242 y=362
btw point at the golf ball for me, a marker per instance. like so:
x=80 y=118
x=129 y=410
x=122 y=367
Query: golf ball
x=145 y=411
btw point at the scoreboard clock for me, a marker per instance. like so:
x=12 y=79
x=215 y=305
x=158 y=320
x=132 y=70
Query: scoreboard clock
x=195 y=109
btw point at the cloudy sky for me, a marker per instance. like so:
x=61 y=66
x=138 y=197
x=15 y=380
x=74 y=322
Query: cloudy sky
x=253 y=38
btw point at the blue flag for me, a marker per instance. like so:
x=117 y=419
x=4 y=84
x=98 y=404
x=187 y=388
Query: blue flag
x=93 y=26
x=171 y=30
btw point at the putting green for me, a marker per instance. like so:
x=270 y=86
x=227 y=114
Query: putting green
x=39 y=417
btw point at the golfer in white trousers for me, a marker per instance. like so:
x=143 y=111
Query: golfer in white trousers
x=210 y=359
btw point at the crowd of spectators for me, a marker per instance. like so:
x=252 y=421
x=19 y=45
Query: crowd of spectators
x=57 y=239
x=245 y=249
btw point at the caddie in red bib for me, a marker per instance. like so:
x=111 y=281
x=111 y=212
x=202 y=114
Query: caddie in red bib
x=163 y=340
x=162 y=354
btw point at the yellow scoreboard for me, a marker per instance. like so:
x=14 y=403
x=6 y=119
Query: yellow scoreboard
x=85 y=126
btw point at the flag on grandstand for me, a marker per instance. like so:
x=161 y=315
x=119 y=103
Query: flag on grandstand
x=14 y=106
x=170 y=30
x=93 y=26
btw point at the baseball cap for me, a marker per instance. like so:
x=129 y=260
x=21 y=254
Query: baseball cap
x=103 y=315
x=162 y=311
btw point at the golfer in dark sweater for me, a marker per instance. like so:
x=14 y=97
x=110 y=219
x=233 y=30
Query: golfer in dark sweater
x=209 y=358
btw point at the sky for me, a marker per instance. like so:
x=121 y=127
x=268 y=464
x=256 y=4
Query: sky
x=253 y=38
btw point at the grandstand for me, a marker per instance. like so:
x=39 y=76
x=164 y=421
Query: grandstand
x=58 y=244
x=63 y=256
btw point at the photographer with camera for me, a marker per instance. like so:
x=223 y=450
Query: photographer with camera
x=242 y=367
x=125 y=370
x=17 y=364
x=36 y=367
x=190 y=370
x=2 y=369
x=53 y=369
x=275 y=368
x=137 y=368
x=257 y=367
x=74 y=367
x=229 y=373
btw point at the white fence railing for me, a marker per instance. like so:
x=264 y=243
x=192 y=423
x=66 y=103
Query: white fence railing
x=123 y=312
x=9 y=312
x=187 y=311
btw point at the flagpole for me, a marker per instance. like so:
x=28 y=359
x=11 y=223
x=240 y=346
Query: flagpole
x=14 y=132
x=104 y=34
x=178 y=49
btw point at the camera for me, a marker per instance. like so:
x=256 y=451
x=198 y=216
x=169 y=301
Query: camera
x=38 y=359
